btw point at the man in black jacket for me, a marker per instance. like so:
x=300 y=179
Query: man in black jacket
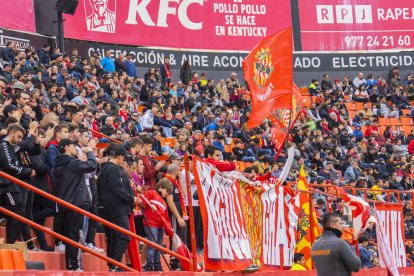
x=117 y=198
x=331 y=254
x=11 y=195
x=68 y=173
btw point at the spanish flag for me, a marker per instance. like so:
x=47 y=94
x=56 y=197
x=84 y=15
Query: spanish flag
x=269 y=74
x=308 y=228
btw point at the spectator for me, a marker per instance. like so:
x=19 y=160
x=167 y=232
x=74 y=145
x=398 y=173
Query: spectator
x=68 y=174
x=116 y=196
x=298 y=262
x=364 y=253
x=107 y=63
x=332 y=255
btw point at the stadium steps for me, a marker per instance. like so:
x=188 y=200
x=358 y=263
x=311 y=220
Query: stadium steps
x=56 y=260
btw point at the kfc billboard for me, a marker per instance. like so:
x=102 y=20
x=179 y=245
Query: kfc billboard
x=188 y=24
x=17 y=15
x=338 y=25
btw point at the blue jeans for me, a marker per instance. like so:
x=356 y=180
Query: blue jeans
x=153 y=256
x=249 y=157
x=167 y=132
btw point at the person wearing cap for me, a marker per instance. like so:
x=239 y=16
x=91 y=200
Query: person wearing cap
x=117 y=198
x=218 y=123
x=68 y=174
x=175 y=159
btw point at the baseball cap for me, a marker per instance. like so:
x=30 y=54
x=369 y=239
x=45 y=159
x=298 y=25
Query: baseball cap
x=217 y=119
x=9 y=108
x=174 y=156
x=18 y=85
x=63 y=143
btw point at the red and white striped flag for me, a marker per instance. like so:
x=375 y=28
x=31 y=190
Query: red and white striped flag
x=360 y=212
x=386 y=255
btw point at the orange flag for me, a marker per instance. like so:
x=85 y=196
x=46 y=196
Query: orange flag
x=268 y=72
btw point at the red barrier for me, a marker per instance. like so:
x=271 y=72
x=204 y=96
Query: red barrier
x=364 y=272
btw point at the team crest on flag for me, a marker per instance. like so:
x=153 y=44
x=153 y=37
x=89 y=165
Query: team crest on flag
x=263 y=67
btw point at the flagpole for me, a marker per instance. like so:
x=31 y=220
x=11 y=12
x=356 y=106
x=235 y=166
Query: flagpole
x=152 y=235
x=190 y=212
x=287 y=136
x=311 y=224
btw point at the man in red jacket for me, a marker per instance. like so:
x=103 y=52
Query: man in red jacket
x=213 y=156
x=151 y=170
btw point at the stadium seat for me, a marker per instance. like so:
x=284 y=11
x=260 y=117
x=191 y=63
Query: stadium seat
x=407 y=128
x=394 y=122
x=363 y=129
x=384 y=121
x=359 y=106
x=350 y=106
x=304 y=90
x=406 y=121
x=406 y=112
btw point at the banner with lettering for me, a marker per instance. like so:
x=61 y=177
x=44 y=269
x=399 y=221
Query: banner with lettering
x=391 y=219
x=190 y=24
x=245 y=223
x=337 y=25
x=18 y=15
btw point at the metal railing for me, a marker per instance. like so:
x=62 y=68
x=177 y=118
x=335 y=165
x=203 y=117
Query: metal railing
x=85 y=213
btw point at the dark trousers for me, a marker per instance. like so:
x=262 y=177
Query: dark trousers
x=13 y=201
x=117 y=243
x=198 y=227
x=27 y=197
x=42 y=208
x=72 y=224
x=58 y=225
x=180 y=231
x=93 y=225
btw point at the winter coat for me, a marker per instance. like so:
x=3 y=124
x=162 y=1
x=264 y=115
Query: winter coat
x=114 y=191
x=68 y=177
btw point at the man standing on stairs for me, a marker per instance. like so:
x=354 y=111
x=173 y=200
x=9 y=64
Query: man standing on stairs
x=117 y=197
x=11 y=196
x=68 y=174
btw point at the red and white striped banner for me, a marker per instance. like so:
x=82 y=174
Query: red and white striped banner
x=245 y=223
x=391 y=221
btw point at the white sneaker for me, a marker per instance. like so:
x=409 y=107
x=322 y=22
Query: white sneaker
x=60 y=247
x=96 y=249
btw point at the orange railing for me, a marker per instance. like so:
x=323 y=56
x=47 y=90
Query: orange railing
x=85 y=213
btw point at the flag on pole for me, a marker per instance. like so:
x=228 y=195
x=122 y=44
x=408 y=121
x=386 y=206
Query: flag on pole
x=268 y=72
x=308 y=229
x=361 y=212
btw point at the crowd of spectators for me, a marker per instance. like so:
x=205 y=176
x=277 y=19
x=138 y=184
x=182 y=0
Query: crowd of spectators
x=159 y=117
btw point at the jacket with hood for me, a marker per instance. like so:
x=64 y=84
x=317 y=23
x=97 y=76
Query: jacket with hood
x=68 y=177
x=114 y=190
x=11 y=163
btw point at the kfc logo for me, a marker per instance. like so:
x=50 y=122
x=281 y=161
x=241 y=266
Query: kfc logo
x=99 y=16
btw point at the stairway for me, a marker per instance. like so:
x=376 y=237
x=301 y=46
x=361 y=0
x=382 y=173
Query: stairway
x=56 y=260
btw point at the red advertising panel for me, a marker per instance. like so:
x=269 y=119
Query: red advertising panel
x=194 y=24
x=17 y=15
x=339 y=25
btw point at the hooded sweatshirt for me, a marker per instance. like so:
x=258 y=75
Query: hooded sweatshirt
x=69 y=180
x=114 y=190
